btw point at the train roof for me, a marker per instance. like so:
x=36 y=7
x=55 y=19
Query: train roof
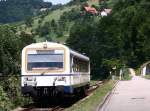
x=53 y=44
x=75 y=53
x=40 y=44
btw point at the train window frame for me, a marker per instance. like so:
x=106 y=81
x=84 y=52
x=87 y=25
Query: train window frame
x=71 y=63
x=46 y=71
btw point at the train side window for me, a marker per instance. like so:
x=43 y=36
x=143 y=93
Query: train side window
x=80 y=65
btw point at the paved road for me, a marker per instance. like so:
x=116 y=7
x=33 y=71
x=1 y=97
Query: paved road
x=133 y=95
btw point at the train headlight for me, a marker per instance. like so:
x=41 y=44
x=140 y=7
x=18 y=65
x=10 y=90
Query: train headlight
x=61 y=79
x=45 y=46
x=30 y=78
x=25 y=83
x=25 y=78
x=29 y=81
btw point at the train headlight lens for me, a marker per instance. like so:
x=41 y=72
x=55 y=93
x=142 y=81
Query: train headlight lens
x=29 y=81
x=45 y=45
x=61 y=79
x=29 y=78
x=25 y=78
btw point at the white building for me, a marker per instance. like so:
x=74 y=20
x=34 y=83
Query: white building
x=105 y=12
x=145 y=68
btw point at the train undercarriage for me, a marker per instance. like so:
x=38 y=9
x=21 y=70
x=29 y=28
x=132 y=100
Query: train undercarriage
x=37 y=93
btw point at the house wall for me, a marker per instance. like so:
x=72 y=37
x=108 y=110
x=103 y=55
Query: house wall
x=148 y=69
x=143 y=71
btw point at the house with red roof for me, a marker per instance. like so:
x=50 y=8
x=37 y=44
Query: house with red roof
x=90 y=9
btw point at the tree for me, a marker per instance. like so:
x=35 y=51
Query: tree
x=133 y=18
x=26 y=39
x=118 y=39
x=10 y=50
x=83 y=39
x=17 y=10
x=44 y=30
x=29 y=22
x=54 y=25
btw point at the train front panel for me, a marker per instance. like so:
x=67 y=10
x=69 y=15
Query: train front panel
x=45 y=70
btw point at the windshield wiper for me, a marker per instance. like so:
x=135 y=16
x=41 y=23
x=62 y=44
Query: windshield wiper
x=44 y=72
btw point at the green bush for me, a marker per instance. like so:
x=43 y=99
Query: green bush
x=138 y=71
x=147 y=76
x=11 y=88
x=15 y=91
x=5 y=104
x=126 y=75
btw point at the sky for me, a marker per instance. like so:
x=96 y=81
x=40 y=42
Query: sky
x=58 y=1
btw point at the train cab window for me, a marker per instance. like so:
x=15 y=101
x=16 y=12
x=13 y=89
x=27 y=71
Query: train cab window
x=45 y=60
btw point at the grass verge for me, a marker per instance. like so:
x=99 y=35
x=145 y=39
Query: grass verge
x=147 y=76
x=91 y=103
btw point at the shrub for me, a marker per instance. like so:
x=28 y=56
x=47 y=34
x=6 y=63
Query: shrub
x=5 y=104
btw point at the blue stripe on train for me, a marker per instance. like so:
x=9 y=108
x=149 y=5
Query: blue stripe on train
x=50 y=75
x=68 y=89
x=55 y=75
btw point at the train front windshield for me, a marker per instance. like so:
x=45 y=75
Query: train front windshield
x=45 y=60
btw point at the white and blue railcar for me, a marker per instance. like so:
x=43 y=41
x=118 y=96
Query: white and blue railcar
x=49 y=68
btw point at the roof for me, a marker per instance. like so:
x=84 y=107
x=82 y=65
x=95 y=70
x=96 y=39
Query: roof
x=75 y=53
x=43 y=9
x=145 y=64
x=91 y=9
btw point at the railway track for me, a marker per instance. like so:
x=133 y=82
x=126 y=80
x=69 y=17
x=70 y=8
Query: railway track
x=57 y=108
x=34 y=108
x=59 y=105
x=95 y=86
